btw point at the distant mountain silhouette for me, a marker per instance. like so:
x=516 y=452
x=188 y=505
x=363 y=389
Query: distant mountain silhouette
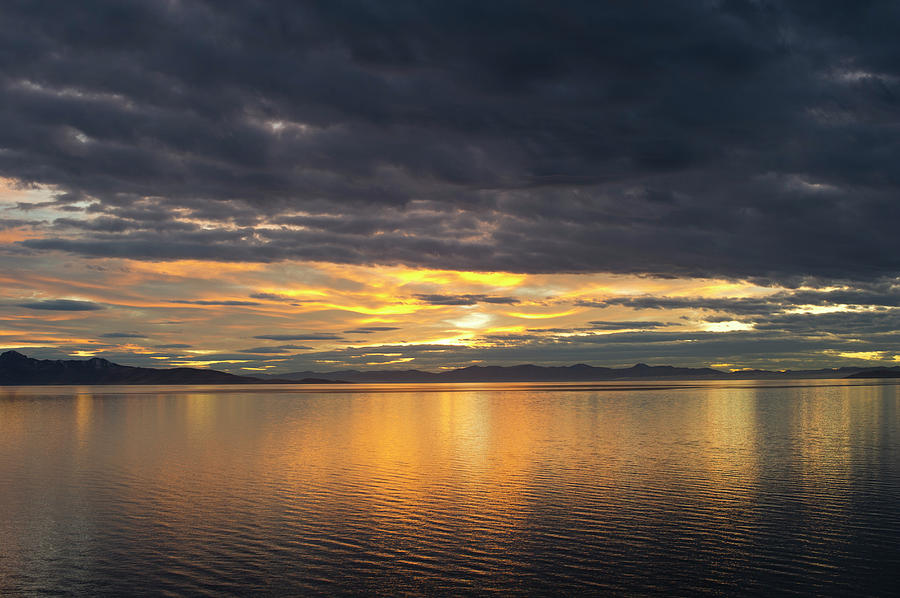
x=893 y=372
x=18 y=370
x=572 y=373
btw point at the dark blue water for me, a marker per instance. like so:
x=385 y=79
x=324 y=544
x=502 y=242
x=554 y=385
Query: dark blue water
x=709 y=489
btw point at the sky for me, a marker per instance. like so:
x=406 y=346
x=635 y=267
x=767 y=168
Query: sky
x=291 y=186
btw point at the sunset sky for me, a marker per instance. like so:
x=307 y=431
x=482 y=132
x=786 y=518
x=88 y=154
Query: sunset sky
x=282 y=186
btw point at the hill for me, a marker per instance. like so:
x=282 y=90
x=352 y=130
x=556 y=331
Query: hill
x=18 y=370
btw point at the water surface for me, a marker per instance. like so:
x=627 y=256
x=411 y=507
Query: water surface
x=747 y=488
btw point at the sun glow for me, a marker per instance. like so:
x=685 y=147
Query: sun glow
x=729 y=326
x=826 y=309
x=221 y=308
x=866 y=355
x=542 y=316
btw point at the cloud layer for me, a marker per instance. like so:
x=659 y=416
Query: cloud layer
x=731 y=139
x=284 y=186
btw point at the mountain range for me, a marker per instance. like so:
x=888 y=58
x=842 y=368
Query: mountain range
x=17 y=369
x=585 y=373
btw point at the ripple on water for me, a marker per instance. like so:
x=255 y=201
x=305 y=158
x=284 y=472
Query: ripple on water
x=510 y=490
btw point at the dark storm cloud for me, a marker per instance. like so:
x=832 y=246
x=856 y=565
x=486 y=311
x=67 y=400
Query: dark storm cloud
x=62 y=305
x=8 y=223
x=464 y=299
x=307 y=336
x=173 y=346
x=123 y=335
x=738 y=139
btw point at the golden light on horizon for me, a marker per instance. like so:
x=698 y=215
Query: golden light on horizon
x=727 y=326
x=543 y=316
x=193 y=269
x=223 y=310
x=866 y=355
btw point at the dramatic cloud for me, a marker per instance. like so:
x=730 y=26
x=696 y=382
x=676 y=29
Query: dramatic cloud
x=62 y=305
x=729 y=139
x=310 y=336
x=736 y=305
x=885 y=294
x=371 y=329
x=624 y=324
x=464 y=299
x=275 y=297
x=7 y=223
x=214 y=302
x=435 y=184
x=275 y=350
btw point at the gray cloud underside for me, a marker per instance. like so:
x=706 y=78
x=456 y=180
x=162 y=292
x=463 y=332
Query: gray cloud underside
x=306 y=336
x=764 y=348
x=739 y=139
x=62 y=305
x=468 y=299
x=867 y=318
x=280 y=349
x=780 y=340
x=624 y=324
x=212 y=302
x=371 y=329
x=882 y=294
x=8 y=223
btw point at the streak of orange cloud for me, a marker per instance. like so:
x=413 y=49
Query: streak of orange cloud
x=540 y=316
x=193 y=268
x=14 y=235
x=405 y=275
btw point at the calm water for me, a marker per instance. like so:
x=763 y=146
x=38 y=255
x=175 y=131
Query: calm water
x=705 y=488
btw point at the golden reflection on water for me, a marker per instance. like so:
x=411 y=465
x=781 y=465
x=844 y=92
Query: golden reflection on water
x=398 y=452
x=84 y=410
x=400 y=470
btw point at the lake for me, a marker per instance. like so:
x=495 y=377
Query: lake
x=711 y=488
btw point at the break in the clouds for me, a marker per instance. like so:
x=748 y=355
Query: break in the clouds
x=732 y=139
